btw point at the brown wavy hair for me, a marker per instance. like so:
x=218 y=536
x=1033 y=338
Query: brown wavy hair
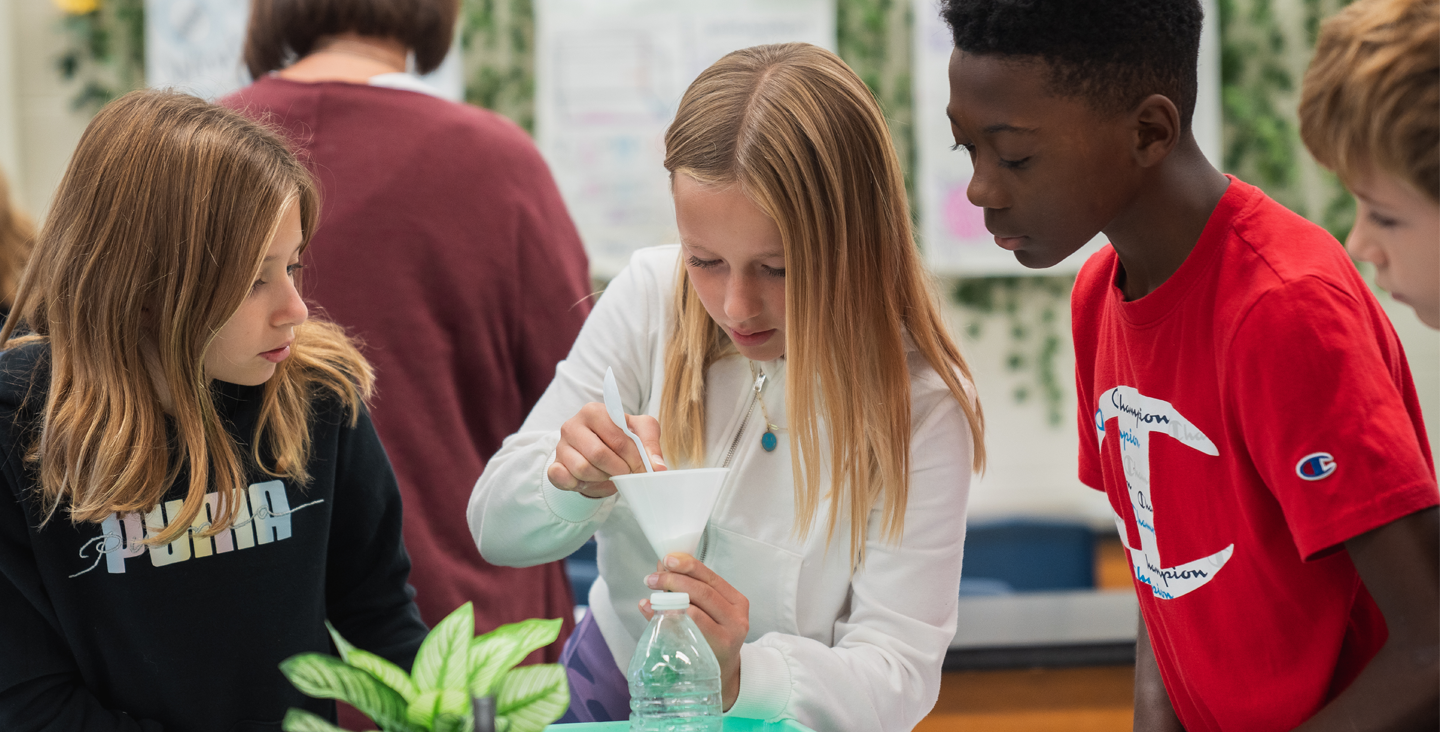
x=1372 y=93
x=155 y=237
x=804 y=138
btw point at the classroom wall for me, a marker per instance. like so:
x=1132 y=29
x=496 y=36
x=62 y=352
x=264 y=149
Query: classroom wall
x=38 y=127
x=1032 y=462
x=9 y=111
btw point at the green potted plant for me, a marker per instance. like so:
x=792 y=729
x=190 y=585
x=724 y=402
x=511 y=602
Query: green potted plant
x=450 y=669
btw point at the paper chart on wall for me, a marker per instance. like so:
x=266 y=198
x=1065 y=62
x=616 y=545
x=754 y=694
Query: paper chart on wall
x=952 y=230
x=609 y=76
x=195 y=46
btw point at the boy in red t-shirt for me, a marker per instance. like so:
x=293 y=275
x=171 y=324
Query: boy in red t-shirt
x=1243 y=400
x=1370 y=110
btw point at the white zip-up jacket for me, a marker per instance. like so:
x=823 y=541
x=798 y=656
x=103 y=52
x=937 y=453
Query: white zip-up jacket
x=832 y=649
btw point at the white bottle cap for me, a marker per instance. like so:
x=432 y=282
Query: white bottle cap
x=669 y=601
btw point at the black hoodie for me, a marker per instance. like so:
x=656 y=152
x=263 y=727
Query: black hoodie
x=98 y=632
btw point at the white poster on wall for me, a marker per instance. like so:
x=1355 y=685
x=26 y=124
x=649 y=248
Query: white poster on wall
x=195 y=46
x=952 y=230
x=609 y=75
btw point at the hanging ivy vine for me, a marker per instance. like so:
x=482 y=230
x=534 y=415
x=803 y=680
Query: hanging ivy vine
x=104 y=52
x=1265 y=47
x=498 y=38
x=1028 y=310
x=873 y=38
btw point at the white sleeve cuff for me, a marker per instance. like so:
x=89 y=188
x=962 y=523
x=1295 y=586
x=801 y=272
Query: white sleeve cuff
x=765 y=683
x=568 y=505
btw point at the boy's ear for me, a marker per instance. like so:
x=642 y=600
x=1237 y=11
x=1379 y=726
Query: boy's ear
x=1157 y=129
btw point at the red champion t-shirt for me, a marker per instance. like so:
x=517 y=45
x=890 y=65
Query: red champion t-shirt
x=1245 y=419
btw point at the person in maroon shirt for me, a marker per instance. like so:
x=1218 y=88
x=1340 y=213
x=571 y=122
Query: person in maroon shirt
x=445 y=247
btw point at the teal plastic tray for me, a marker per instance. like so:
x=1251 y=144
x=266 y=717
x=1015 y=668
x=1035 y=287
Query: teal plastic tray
x=732 y=724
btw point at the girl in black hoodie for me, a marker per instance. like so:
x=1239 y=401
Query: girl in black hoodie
x=191 y=483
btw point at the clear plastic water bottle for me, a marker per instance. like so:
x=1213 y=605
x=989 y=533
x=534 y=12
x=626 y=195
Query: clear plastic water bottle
x=674 y=677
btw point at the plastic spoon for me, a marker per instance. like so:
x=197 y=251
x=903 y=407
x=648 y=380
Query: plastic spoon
x=617 y=415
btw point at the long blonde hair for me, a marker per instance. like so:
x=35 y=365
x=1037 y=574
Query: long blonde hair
x=155 y=237
x=804 y=138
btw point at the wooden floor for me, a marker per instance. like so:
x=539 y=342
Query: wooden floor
x=1038 y=700
x=1043 y=700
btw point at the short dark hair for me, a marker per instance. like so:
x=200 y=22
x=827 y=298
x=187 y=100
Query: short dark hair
x=1112 y=53
x=282 y=30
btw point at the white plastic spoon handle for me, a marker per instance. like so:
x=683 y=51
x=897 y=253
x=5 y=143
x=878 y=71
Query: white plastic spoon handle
x=616 y=410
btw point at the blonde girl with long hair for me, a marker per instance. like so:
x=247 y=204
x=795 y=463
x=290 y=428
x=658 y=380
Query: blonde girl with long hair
x=192 y=483
x=793 y=337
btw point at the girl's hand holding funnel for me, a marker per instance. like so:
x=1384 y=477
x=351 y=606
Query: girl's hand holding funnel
x=592 y=449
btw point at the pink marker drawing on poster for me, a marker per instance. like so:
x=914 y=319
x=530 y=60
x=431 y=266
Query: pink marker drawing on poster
x=963 y=219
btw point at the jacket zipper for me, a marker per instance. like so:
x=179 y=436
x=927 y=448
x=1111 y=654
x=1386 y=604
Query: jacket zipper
x=730 y=455
x=735 y=443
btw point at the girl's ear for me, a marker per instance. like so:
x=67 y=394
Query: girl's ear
x=1156 y=122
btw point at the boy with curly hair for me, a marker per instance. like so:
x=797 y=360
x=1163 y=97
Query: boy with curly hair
x=1243 y=399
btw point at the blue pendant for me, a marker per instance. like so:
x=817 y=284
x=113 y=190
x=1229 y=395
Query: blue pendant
x=768 y=441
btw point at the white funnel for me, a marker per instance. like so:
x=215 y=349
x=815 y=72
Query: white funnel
x=672 y=506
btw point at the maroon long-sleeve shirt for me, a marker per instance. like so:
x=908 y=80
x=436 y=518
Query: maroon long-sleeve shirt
x=444 y=245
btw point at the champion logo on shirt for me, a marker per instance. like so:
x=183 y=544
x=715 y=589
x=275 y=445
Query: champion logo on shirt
x=1315 y=466
x=1138 y=418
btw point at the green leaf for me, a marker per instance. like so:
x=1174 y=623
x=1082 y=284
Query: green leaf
x=327 y=677
x=431 y=706
x=299 y=720
x=444 y=658
x=500 y=650
x=341 y=645
x=453 y=723
x=529 y=635
x=490 y=658
x=531 y=697
x=389 y=674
